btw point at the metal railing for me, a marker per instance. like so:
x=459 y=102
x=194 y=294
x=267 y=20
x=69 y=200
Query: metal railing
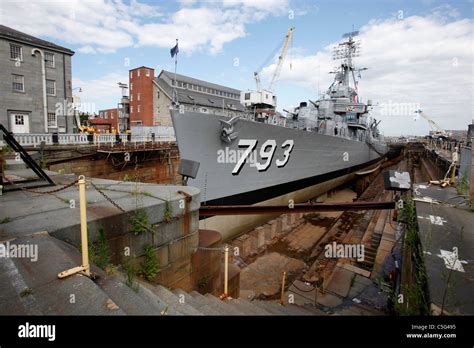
x=35 y=140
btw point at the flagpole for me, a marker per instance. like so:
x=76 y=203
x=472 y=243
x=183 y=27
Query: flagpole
x=175 y=68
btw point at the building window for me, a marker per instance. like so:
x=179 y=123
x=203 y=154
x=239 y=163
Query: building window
x=158 y=94
x=16 y=52
x=131 y=97
x=147 y=72
x=49 y=59
x=131 y=86
x=52 y=120
x=50 y=87
x=138 y=96
x=101 y=114
x=19 y=120
x=131 y=74
x=18 y=83
x=138 y=73
x=138 y=108
x=106 y=115
x=131 y=109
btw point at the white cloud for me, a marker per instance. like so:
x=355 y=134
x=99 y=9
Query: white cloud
x=196 y=28
x=100 y=93
x=86 y=49
x=103 y=26
x=425 y=61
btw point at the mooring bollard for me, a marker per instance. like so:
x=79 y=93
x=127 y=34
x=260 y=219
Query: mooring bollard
x=282 y=299
x=85 y=267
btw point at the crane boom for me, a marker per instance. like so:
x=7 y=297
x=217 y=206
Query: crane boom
x=257 y=80
x=433 y=124
x=281 y=57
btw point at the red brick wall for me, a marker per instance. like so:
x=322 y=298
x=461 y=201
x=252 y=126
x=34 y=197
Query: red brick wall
x=112 y=118
x=141 y=85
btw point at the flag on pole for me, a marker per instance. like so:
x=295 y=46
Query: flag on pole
x=174 y=51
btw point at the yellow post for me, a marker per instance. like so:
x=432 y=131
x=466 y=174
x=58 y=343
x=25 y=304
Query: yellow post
x=85 y=267
x=83 y=212
x=226 y=271
x=282 y=297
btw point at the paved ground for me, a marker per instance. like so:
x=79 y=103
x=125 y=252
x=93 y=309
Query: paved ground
x=447 y=237
x=23 y=213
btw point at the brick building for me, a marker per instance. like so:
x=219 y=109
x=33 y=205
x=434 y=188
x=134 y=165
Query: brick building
x=141 y=96
x=151 y=97
x=35 y=84
x=107 y=119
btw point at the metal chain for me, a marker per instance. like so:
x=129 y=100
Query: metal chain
x=107 y=198
x=52 y=191
x=211 y=249
x=145 y=226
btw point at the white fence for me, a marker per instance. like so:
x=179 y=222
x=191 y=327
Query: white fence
x=34 y=139
x=73 y=139
x=84 y=139
x=159 y=131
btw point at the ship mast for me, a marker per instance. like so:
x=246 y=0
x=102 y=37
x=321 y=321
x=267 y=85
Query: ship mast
x=346 y=51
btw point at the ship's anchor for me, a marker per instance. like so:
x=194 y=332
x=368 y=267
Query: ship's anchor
x=227 y=129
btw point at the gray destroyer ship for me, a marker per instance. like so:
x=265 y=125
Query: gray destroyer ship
x=261 y=158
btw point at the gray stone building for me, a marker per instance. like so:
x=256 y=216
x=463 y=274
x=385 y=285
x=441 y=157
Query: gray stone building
x=151 y=97
x=35 y=84
x=195 y=95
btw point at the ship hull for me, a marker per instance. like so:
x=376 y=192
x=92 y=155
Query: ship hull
x=315 y=164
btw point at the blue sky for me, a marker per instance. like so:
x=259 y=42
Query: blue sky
x=110 y=37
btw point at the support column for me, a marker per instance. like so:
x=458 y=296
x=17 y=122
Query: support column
x=471 y=184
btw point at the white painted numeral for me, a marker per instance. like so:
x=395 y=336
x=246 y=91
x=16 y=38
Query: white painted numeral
x=251 y=144
x=289 y=143
x=266 y=155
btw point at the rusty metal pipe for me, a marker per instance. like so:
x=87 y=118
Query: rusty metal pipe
x=210 y=210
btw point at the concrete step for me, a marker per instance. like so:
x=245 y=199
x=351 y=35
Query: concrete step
x=134 y=303
x=34 y=287
x=269 y=309
x=205 y=303
x=200 y=306
x=257 y=309
x=366 y=265
x=294 y=309
x=173 y=301
x=225 y=307
x=216 y=304
x=246 y=307
x=290 y=309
